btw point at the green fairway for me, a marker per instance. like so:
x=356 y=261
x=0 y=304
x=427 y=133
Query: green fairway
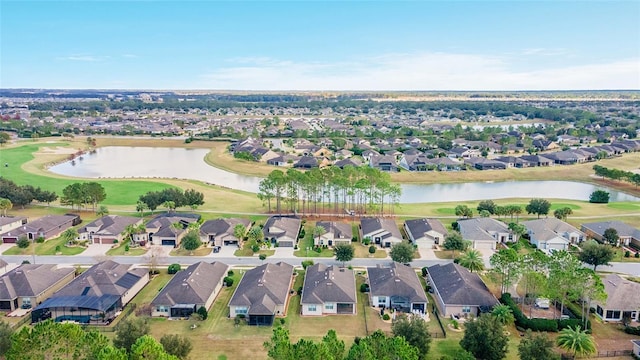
x=119 y=192
x=624 y=206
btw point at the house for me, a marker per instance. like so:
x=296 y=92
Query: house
x=537 y=160
x=425 y=232
x=221 y=232
x=514 y=161
x=481 y=163
x=282 y=230
x=458 y=291
x=567 y=157
x=383 y=232
x=464 y=153
x=397 y=287
x=8 y=223
x=628 y=235
x=107 y=230
x=336 y=233
x=484 y=233
x=190 y=289
x=550 y=234
x=622 y=299
x=30 y=284
x=348 y=162
x=543 y=144
x=446 y=164
x=96 y=296
x=419 y=162
x=328 y=290
x=262 y=294
x=384 y=163
x=167 y=229
x=47 y=227
x=306 y=162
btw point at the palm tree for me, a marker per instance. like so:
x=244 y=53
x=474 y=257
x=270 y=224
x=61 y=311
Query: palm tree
x=503 y=313
x=472 y=260
x=576 y=341
x=141 y=207
x=5 y=204
x=170 y=205
x=317 y=231
x=102 y=211
x=70 y=235
x=238 y=231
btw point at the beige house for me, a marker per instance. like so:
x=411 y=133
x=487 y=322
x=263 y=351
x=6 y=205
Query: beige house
x=30 y=284
x=107 y=230
x=328 y=290
x=8 y=223
x=336 y=233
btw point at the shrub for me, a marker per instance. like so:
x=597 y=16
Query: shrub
x=366 y=241
x=632 y=330
x=627 y=254
x=202 y=311
x=306 y=264
x=228 y=281
x=115 y=241
x=372 y=249
x=425 y=271
x=40 y=240
x=386 y=317
x=255 y=248
x=454 y=225
x=302 y=233
x=126 y=247
x=282 y=321
x=173 y=268
x=364 y=288
x=318 y=249
x=23 y=243
x=524 y=322
x=58 y=248
x=637 y=255
x=230 y=273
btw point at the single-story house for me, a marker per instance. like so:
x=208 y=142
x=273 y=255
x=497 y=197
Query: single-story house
x=384 y=163
x=397 y=287
x=628 y=234
x=383 y=232
x=485 y=233
x=623 y=299
x=282 y=230
x=550 y=234
x=481 y=163
x=95 y=296
x=262 y=294
x=328 y=290
x=11 y=222
x=458 y=291
x=336 y=233
x=47 y=227
x=107 y=230
x=190 y=289
x=425 y=232
x=220 y=232
x=538 y=160
x=30 y=284
x=162 y=231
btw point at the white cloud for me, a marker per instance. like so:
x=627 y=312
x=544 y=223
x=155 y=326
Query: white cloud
x=420 y=71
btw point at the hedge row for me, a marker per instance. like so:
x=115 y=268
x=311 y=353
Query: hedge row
x=537 y=324
x=632 y=330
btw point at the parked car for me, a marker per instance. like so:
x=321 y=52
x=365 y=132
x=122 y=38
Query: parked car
x=542 y=303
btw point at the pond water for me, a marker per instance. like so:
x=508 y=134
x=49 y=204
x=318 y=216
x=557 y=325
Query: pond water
x=179 y=163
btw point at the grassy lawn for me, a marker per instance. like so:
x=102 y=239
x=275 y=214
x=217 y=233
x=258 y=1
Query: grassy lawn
x=152 y=289
x=307 y=243
x=201 y=251
x=446 y=254
x=627 y=206
x=619 y=256
x=362 y=251
x=133 y=251
x=46 y=248
x=246 y=251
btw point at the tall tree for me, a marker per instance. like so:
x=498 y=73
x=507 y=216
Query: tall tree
x=536 y=347
x=484 y=337
x=5 y=204
x=611 y=236
x=577 y=341
x=379 y=346
x=5 y=337
x=128 y=331
x=402 y=252
x=141 y=207
x=506 y=264
x=344 y=253
x=179 y=346
x=415 y=331
x=596 y=254
x=538 y=207
x=562 y=213
x=454 y=242
x=147 y=348
x=94 y=193
x=487 y=205
x=472 y=260
x=463 y=211
x=193 y=198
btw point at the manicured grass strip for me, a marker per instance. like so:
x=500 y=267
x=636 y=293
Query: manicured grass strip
x=362 y=251
x=201 y=251
x=624 y=206
x=120 y=250
x=306 y=247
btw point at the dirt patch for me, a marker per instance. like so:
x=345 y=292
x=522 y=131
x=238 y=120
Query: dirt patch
x=531 y=311
x=58 y=150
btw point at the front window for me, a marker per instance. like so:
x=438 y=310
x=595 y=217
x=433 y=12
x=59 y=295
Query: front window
x=311 y=307
x=329 y=306
x=242 y=311
x=382 y=300
x=466 y=309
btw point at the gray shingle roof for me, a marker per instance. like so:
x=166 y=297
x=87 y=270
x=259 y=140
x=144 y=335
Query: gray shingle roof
x=219 y=227
x=622 y=293
x=31 y=280
x=43 y=224
x=418 y=227
x=340 y=230
x=324 y=283
x=458 y=286
x=110 y=224
x=193 y=285
x=290 y=227
x=623 y=229
x=4 y=220
x=479 y=228
x=107 y=277
x=396 y=280
x=548 y=228
x=372 y=224
x=263 y=288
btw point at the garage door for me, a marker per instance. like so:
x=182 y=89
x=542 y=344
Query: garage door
x=483 y=245
x=285 y=244
x=9 y=240
x=169 y=242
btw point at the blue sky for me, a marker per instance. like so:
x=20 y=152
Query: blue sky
x=329 y=45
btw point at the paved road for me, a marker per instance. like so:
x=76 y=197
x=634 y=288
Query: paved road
x=623 y=268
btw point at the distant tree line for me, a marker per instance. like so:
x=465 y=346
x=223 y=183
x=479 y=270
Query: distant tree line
x=616 y=174
x=353 y=189
x=22 y=195
x=172 y=198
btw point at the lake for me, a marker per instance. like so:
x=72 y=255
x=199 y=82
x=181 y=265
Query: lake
x=145 y=162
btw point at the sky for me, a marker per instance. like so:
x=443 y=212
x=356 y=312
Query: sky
x=321 y=45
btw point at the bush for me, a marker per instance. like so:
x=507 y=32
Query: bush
x=255 y=248
x=115 y=241
x=302 y=233
x=126 y=248
x=202 y=311
x=228 y=281
x=364 y=288
x=173 y=268
x=306 y=264
x=230 y=273
x=524 y=322
x=318 y=249
x=40 y=240
x=425 y=271
x=23 y=243
x=386 y=317
x=632 y=330
x=372 y=249
x=627 y=254
x=282 y=321
x=637 y=255
x=454 y=226
x=58 y=249
x=366 y=241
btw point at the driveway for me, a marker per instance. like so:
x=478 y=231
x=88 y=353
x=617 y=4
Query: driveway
x=97 y=250
x=427 y=253
x=5 y=247
x=284 y=252
x=225 y=252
